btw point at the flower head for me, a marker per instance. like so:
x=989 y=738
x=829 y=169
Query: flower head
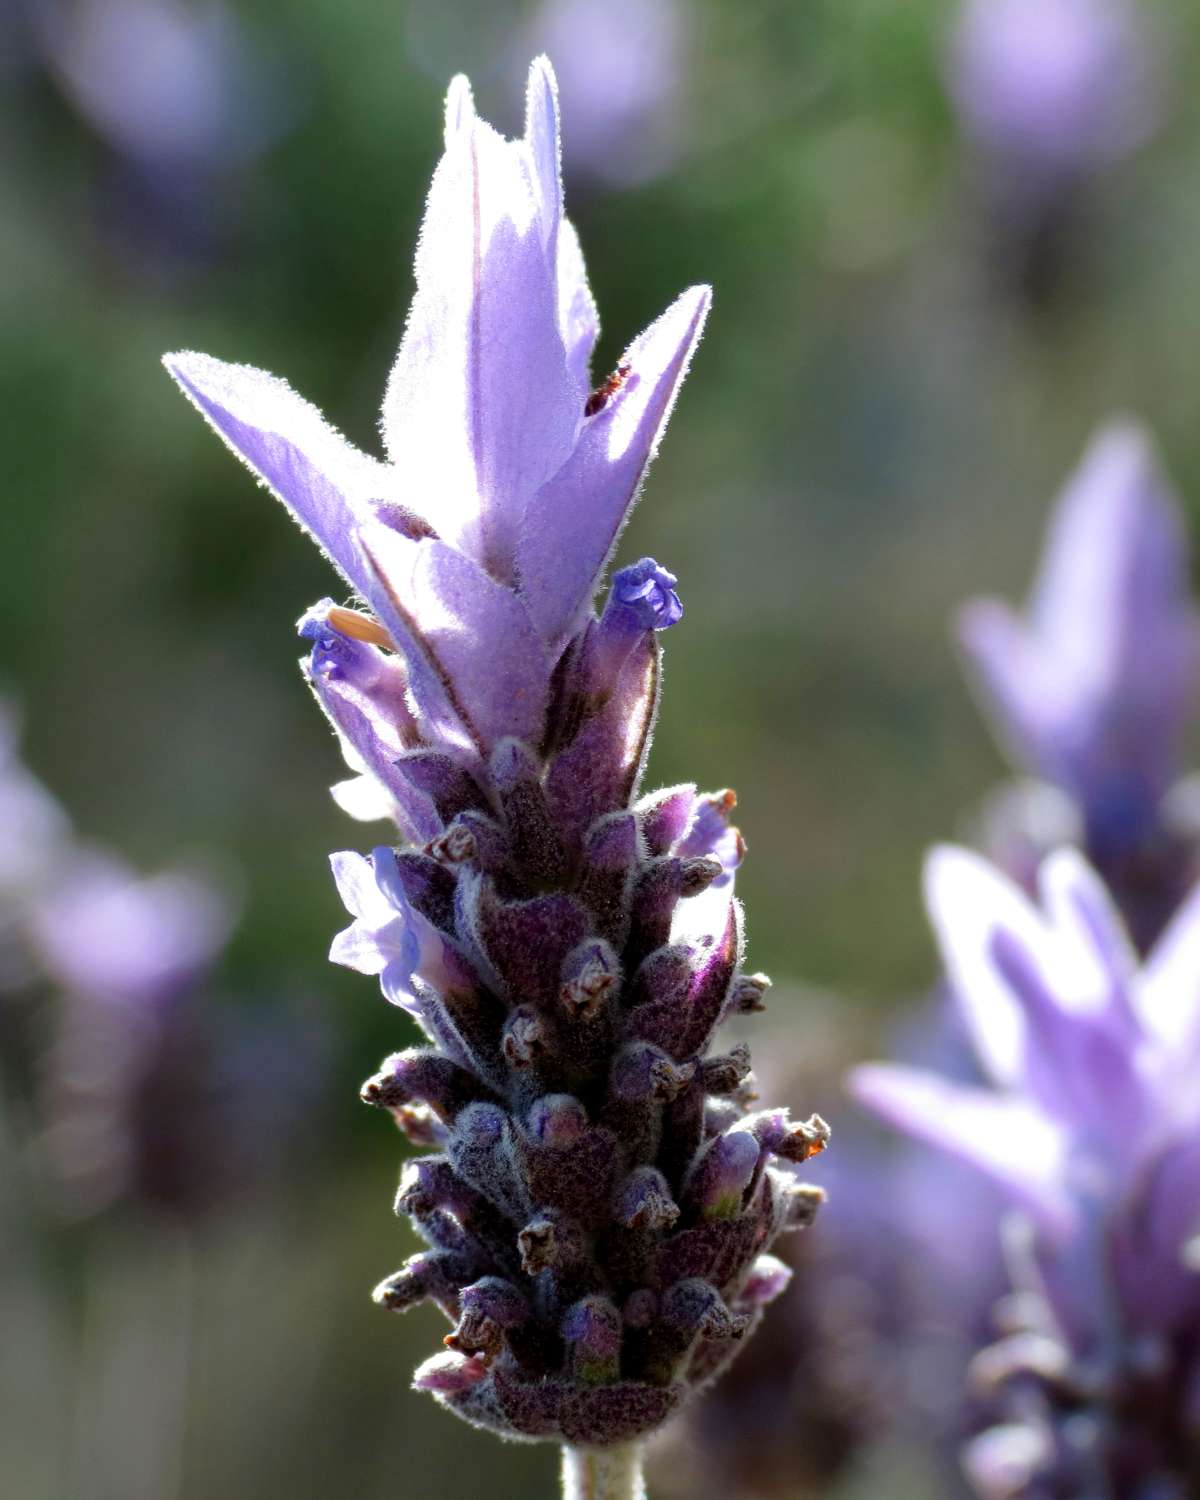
x=597 y=1195
x=1092 y=689
x=1091 y=1125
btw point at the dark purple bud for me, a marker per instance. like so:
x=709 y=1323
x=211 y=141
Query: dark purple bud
x=715 y=1250
x=557 y=1120
x=525 y=943
x=665 y=817
x=431 y=1276
x=640 y=601
x=590 y=974
x=721 y=1115
x=429 y=1186
x=423 y=1076
x=467 y=1020
x=682 y=1020
x=533 y=839
x=725 y=1074
x=644 y=1074
x=611 y=848
x=551 y=1240
x=598 y=771
x=448 y=784
x=769 y=1278
x=690 y=1310
x=489 y=845
x=793 y=1141
x=640 y=1308
x=426 y=884
x=664 y=976
x=646 y=592
x=683 y=1131
x=490 y=1307
x=483 y=1151
x=747 y=995
x=721 y=1177
x=575 y=1178
x=657 y=888
x=528 y=1038
x=428 y=1183
x=591 y=1330
x=450 y=1374
x=696 y=1307
x=644 y=1201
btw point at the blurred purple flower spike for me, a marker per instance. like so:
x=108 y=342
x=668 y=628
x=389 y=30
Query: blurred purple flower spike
x=599 y=1202
x=621 y=65
x=1092 y=690
x=1054 y=87
x=1092 y=1128
x=1050 y=94
x=163 y=80
x=186 y=102
x=104 y=933
x=33 y=827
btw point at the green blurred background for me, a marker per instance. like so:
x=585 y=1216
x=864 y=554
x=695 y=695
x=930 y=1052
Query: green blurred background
x=872 y=431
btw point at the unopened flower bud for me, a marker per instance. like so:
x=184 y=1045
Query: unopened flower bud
x=719 y=1180
x=591 y=1329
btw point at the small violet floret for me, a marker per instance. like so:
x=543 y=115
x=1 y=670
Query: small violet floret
x=596 y=1203
x=647 y=591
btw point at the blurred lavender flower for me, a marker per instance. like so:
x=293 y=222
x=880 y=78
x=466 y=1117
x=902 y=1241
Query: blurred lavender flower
x=598 y=1202
x=146 y=1092
x=181 y=96
x=622 y=67
x=1092 y=1128
x=889 y=1298
x=1049 y=92
x=1092 y=690
x=1054 y=87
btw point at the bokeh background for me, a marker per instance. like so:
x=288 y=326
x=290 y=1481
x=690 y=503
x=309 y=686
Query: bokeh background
x=914 y=333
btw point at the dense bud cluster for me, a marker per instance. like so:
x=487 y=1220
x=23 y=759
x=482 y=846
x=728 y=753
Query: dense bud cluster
x=602 y=1195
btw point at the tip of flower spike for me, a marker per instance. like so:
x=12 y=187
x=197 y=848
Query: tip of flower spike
x=648 y=591
x=460 y=106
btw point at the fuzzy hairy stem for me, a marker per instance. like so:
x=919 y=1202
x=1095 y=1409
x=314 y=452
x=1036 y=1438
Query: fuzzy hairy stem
x=603 y=1473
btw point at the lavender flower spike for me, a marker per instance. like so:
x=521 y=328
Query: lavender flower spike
x=1092 y=690
x=1092 y=1128
x=567 y=948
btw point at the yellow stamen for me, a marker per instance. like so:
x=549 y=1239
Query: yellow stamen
x=360 y=627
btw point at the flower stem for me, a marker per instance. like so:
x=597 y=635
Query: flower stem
x=603 y=1473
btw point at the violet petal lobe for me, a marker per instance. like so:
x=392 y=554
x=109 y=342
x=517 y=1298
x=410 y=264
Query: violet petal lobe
x=480 y=650
x=571 y=525
x=577 y=319
x=480 y=408
x=1003 y=1136
x=325 y=482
